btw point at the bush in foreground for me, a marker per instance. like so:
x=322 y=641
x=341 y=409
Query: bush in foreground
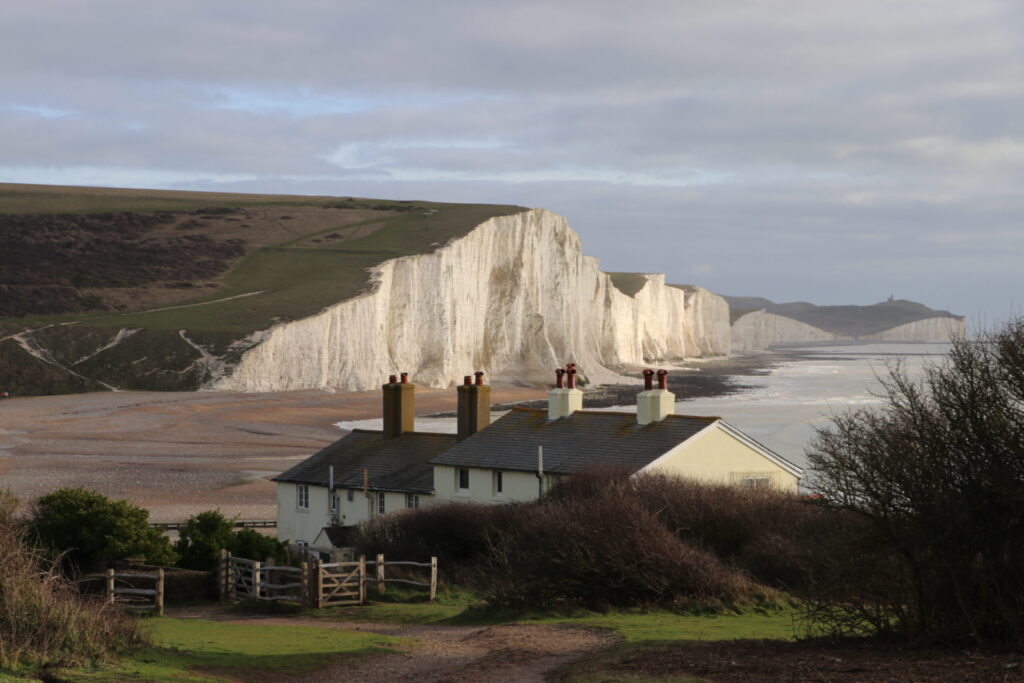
x=938 y=474
x=45 y=622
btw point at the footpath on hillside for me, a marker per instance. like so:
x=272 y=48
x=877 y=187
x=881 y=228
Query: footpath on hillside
x=485 y=654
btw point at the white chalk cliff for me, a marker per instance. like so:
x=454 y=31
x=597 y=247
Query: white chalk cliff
x=758 y=330
x=930 y=329
x=515 y=297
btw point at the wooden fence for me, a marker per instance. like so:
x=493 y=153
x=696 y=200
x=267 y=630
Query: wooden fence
x=242 y=579
x=381 y=579
x=131 y=597
x=315 y=583
x=337 y=583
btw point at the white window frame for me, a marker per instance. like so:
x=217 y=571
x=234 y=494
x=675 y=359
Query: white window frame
x=335 y=501
x=458 y=480
x=382 y=505
x=412 y=501
x=302 y=496
x=498 y=483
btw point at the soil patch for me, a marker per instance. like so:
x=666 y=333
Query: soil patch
x=761 y=661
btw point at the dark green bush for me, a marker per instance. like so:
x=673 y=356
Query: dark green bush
x=204 y=535
x=88 y=529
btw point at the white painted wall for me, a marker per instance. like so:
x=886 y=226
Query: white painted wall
x=295 y=524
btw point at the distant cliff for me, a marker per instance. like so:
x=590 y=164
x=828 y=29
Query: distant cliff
x=759 y=323
x=758 y=330
x=515 y=298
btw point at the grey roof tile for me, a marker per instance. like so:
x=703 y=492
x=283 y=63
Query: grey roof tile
x=581 y=440
x=400 y=464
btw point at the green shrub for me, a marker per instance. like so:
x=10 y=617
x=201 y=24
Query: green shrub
x=89 y=529
x=204 y=535
x=201 y=539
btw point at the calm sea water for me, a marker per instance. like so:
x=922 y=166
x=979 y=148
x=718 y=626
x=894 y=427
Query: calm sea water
x=784 y=407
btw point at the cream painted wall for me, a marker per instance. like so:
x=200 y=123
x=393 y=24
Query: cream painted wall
x=517 y=486
x=715 y=455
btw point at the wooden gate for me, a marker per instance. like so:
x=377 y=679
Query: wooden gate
x=338 y=583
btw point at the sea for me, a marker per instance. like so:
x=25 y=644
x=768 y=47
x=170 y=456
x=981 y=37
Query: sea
x=783 y=408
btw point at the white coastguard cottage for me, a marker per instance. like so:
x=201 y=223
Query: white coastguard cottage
x=517 y=458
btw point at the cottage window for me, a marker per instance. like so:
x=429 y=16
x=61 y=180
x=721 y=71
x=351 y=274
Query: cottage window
x=463 y=480
x=350 y=495
x=334 y=502
x=499 y=484
x=756 y=482
x=412 y=500
x=381 y=507
x=303 y=496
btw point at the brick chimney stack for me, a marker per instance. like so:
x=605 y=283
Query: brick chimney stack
x=563 y=400
x=654 y=405
x=474 y=406
x=399 y=406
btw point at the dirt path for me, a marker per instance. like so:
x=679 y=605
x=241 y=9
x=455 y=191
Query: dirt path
x=486 y=654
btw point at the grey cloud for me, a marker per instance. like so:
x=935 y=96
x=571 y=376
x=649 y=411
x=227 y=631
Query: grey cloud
x=772 y=147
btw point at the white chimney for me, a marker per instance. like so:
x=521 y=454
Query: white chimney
x=563 y=400
x=654 y=405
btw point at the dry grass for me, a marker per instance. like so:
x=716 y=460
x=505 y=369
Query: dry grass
x=45 y=622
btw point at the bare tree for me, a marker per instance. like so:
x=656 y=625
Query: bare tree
x=938 y=473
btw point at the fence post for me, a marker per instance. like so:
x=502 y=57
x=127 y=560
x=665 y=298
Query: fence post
x=110 y=585
x=223 y=580
x=160 y=591
x=304 y=566
x=433 y=578
x=257 y=575
x=268 y=575
x=362 y=579
x=318 y=583
x=380 y=572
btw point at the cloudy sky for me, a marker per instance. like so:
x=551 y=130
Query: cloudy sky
x=830 y=151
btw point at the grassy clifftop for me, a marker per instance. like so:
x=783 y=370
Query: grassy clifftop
x=78 y=266
x=209 y=262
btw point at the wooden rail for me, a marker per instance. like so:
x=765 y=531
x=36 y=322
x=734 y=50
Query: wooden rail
x=382 y=580
x=238 y=523
x=135 y=598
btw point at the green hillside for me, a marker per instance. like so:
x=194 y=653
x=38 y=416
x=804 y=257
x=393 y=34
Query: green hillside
x=847 y=321
x=77 y=265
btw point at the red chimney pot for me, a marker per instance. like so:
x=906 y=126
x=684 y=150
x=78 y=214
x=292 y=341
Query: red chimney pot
x=559 y=373
x=405 y=378
x=467 y=380
x=663 y=379
x=392 y=379
x=479 y=378
x=648 y=379
x=571 y=372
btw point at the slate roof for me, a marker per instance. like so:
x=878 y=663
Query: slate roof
x=583 y=439
x=400 y=464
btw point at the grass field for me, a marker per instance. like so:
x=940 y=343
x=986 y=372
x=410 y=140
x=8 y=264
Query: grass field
x=202 y=650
